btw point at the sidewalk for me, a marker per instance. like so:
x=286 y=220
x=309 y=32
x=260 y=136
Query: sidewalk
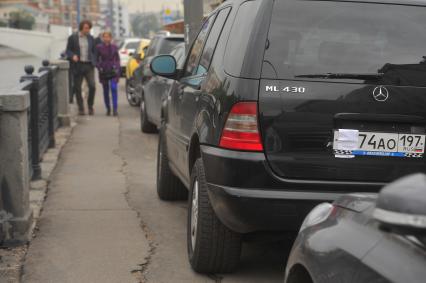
x=87 y=231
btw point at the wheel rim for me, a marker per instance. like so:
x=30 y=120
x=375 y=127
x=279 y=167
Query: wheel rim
x=131 y=93
x=159 y=160
x=143 y=110
x=194 y=214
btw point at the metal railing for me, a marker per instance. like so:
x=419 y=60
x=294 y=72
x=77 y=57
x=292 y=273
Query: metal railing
x=43 y=112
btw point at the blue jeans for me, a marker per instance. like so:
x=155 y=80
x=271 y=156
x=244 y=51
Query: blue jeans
x=106 y=86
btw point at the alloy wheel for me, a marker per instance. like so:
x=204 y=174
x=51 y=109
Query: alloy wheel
x=194 y=214
x=143 y=110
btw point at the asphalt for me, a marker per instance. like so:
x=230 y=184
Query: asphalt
x=103 y=222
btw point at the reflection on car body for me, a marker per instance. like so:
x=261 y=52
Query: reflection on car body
x=364 y=238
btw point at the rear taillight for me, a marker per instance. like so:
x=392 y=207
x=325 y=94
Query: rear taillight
x=124 y=51
x=241 y=130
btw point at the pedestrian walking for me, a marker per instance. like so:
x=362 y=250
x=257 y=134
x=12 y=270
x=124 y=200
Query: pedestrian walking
x=81 y=51
x=109 y=70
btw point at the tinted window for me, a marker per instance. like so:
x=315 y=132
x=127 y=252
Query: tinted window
x=179 y=54
x=198 y=45
x=240 y=36
x=211 y=42
x=168 y=44
x=340 y=37
x=132 y=45
x=152 y=47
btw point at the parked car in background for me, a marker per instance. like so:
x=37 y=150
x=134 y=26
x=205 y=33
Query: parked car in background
x=274 y=113
x=132 y=64
x=150 y=87
x=364 y=238
x=127 y=48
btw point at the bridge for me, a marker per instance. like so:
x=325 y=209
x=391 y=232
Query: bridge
x=45 y=45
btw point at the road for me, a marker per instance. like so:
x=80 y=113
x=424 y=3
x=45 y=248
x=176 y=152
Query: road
x=103 y=222
x=164 y=223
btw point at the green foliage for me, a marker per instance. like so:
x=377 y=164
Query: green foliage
x=21 y=20
x=144 y=24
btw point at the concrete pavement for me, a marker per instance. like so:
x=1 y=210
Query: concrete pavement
x=263 y=257
x=103 y=222
x=87 y=231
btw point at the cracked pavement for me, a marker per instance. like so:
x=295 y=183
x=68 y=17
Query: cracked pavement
x=103 y=222
x=164 y=223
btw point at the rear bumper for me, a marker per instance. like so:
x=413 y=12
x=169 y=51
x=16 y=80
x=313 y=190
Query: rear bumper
x=245 y=210
x=247 y=196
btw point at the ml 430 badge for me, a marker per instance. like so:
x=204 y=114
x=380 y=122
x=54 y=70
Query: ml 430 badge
x=291 y=89
x=350 y=143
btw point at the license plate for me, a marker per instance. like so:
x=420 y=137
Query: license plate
x=353 y=142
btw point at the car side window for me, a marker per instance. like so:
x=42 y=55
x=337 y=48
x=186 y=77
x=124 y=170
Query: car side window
x=152 y=47
x=198 y=46
x=179 y=56
x=211 y=42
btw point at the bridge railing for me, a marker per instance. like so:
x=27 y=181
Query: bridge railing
x=43 y=112
x=29 y=116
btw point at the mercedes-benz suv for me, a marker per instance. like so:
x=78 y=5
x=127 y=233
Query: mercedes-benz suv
x=284 y=104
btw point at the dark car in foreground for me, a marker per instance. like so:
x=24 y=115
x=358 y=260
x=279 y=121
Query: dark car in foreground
x=275 y=112
x=150 y=87
x=365 y=238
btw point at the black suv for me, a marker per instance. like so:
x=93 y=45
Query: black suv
x=284 y=104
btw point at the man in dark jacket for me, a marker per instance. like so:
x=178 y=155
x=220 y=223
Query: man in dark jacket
x=81 y=51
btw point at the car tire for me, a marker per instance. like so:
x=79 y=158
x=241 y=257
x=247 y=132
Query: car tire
x=169 y=187
x=131 y=97
x=146 y=125
x=212 y=247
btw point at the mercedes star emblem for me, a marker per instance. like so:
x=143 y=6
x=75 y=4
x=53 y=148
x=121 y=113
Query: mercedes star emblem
x=380 y=94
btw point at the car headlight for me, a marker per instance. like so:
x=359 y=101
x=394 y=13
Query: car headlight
x=317 y=215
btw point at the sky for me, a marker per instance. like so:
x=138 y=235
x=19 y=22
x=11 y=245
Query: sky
x=151 y=5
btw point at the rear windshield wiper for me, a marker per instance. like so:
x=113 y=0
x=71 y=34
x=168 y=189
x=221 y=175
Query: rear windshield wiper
x=373 y=76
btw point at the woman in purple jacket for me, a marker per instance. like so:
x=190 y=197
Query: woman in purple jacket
x=109 y=70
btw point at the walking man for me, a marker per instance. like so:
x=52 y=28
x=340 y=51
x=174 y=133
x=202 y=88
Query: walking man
x=81 y=50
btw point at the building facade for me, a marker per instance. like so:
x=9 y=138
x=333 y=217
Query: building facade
x=42 y=20
x=115 y=18
x=57 y=12
x=89 y=10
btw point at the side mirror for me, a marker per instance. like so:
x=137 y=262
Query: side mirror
x=164 y=65
x=401 y=206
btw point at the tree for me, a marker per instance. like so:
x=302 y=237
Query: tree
x=21 y=20
x=144 y=24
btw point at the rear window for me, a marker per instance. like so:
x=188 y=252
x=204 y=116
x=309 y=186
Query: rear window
x=318 y=37
x=168 y=44
x=240 y=37
x=133 y=45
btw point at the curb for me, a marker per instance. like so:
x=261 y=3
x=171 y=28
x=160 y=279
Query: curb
x=12 y=259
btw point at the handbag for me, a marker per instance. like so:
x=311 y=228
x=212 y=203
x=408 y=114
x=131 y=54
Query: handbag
x=108 y=74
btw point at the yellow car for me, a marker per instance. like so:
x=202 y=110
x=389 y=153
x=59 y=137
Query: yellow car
x=132 y=65
x=136 y=58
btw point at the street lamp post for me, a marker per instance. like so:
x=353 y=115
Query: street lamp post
x=193 y=14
